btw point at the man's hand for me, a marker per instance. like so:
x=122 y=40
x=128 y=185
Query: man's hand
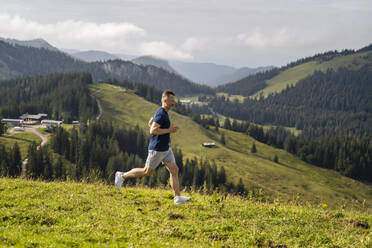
x=156 y=130
x=173 y=129
x=151 y=121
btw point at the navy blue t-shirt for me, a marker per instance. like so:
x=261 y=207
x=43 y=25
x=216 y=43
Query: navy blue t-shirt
x=160 y=142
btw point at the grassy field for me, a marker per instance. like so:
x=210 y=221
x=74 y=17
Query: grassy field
x=232 y=98
x=68 y=214
x=290 y=179
x=292 y=75
x=23 y=139
x=222 y=118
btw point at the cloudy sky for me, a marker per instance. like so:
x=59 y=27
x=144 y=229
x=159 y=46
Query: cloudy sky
x=235 y=32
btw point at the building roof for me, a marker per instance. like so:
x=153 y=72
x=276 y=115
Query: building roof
x=208 y=144
x=11 y=120
x=34 y=117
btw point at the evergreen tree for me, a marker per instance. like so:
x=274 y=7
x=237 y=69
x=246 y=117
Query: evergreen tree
x=15 y=161
x=47 y=165
x=221 y=176
x=2 y=127
x=253 y=149
x=276 y=158
x=223 y=138
x=227 y=124
x=240 y=187
x=59 y=170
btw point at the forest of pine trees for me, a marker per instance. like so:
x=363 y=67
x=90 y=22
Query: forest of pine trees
x=99 y=150
x=332 y=103
x=351 y=156
x=61 y=96
x=10 y=161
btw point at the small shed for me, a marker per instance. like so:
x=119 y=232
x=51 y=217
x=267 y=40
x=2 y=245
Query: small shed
x=209 y=144
x=14 y=122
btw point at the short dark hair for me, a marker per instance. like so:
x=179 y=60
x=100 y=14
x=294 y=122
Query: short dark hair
x=166 y=93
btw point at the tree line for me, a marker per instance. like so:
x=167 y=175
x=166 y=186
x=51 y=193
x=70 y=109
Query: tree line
x=351 y=156
x=10 y=161
x=61 y=96
x=274 y=136
x=98 y=150
x=332 y=103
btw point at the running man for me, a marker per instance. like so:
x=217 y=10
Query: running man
x=159 y=150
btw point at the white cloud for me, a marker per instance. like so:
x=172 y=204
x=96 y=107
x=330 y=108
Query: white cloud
x=196 y=44
x=70 y=33
x=282 y=38
x=163 y=50
x=74 y=34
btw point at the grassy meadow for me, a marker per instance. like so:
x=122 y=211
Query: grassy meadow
x=24 y=139
x=70 y=214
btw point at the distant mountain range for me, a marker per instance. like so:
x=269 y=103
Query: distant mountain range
x=151 y=60
x=37 y=43
x=203 y=73
x=93 y=56
x=19 y=60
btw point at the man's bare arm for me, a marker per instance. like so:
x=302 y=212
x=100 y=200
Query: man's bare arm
x=156 y=130
x=151 y=121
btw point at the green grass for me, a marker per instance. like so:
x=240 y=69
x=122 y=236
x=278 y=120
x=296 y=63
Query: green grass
x=68 y=214
x=293 y=75
x=222 y=118
x=68 y=126
x=23 y=139
x=44 y=131
x=289 y=179
x=232 y=98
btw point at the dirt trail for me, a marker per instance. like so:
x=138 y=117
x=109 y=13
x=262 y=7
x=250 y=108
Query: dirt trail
x=93 y=94
x=30 y=129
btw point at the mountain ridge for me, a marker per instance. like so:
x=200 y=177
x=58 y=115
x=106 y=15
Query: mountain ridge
x=29 y=61
x=36 y=43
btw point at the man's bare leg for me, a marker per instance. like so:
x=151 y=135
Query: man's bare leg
x=138 y=172
x=174 y=181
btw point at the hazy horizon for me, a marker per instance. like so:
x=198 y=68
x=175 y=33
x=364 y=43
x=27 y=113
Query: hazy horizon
x=238 y=33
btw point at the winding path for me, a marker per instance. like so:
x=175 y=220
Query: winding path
x=93 y=94
x=31 y=129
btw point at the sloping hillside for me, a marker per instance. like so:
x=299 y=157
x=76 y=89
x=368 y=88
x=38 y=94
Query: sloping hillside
x=290 y=178
x=151 y=60
x=277 y=79
x=294 y=74
x=66 y=214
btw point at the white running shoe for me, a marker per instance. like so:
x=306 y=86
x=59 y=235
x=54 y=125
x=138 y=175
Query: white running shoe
x=119 y=179
x=181 y=199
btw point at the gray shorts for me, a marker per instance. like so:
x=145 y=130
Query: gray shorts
x=155 y=158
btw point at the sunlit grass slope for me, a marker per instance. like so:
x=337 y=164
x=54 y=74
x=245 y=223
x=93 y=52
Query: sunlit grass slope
x=294 y=74
x=290 y=178
x=23 y=139
x=66 y=214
